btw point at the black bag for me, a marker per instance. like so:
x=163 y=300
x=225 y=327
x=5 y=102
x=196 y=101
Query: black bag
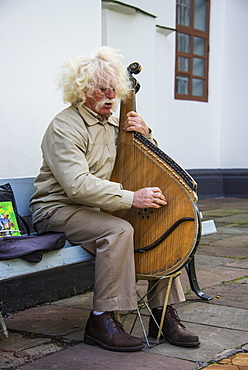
x=30 y=247
x=7 y=195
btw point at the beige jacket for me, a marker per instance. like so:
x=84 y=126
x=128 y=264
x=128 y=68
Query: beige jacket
x=79 y=151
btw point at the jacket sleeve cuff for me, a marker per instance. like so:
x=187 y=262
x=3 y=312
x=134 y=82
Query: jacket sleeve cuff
x=151 y=138
x=127 y=199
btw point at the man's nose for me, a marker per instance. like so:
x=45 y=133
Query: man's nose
x=110 y=93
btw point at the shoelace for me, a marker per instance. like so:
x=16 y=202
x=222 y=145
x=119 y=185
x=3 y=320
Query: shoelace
x=175 y=316
x=118 y=324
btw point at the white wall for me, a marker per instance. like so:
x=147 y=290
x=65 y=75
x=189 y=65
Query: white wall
x=196 y=134
x=214 y=134
x=136 y=41
x=234 y=113
x=36 y=36
x=189 y=131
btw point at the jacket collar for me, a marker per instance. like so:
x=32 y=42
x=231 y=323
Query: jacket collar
x=93 y=118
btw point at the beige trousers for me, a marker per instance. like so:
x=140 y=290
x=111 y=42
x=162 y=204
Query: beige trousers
x=110 y=239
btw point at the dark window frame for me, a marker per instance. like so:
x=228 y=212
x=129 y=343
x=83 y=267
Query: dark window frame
x=193 y=32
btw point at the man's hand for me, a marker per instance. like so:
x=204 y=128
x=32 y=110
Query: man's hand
x=134 y=122
x=149 y=198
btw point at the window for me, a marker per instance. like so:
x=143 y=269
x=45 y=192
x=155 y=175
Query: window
x=192 y=48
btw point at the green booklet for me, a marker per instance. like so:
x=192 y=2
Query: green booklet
x=8 y=222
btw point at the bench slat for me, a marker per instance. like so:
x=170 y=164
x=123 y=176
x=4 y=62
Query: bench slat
x=17 y=267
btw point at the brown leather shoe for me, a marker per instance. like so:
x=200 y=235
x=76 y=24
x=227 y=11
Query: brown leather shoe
x=174 y=331
x=106 y=331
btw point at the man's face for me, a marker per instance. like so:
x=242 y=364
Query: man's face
x=102 y=101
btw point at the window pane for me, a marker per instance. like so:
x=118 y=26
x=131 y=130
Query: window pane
x=183 y=42
x=198 y=87
x=200 y=46
x=182 y=85
x=183 y=12
x=183 y=64
x=198 y=67
x=200 y=15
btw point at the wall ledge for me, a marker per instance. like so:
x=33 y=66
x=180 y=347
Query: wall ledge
x=215 y=183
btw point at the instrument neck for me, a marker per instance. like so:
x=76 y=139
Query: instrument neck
x=127 y=106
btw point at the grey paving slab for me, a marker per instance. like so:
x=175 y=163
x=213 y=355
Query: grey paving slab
x=82 y=300
x=237 y=240
x=243 y=281
x=231 y=250
x=214 y=203
x=225 y=230
x=209 y=314
x=214 y=261
x=214 y=340
x=211 y=276
x=241 y=264
x=226 y=212
x=15 y=342
x=237 y=218
x=49 y=320
x=8 y=360
x=17 y=349
x=87 y=357
x=230 y=294
x=207 y=239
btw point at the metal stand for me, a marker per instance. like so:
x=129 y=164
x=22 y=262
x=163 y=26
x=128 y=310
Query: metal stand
x=190 y=268
x=143 y=303
x=2 y=323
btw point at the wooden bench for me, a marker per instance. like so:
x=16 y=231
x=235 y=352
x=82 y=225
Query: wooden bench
x=60 y=274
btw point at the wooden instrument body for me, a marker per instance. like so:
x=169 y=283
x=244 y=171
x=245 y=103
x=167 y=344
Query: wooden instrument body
x=140 y=164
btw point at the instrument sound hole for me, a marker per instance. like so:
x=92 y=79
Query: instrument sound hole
x=145 y=213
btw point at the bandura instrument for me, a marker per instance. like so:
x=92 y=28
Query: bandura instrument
x=165 y=239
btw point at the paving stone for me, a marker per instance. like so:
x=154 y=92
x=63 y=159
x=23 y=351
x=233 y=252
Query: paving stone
x=207 y=239
x=44 y=350
x=9 y=361
x=230 y=294
x=225 y=230
x=224 y=212
x=82 y=300
x=238 y=241
x=87 y=357
x=49 y=320
x=241 y=359
x=223 y=203
x=238 y=219
x=214 y=340
x=219 y=224
x=213 y=261
x=17 y=342
x=212 y=315
x=76 y=336
x=225 y=361
x=224 y=249
x=208 y=277
x=221 y=367
x=243 y=280
x=239 y=264
x=214 y=203
x=227 y=355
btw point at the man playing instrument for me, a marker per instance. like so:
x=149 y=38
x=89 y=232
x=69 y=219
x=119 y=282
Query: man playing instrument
x=73 y=187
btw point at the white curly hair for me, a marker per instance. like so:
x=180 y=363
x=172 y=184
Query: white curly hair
x=81 y=76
